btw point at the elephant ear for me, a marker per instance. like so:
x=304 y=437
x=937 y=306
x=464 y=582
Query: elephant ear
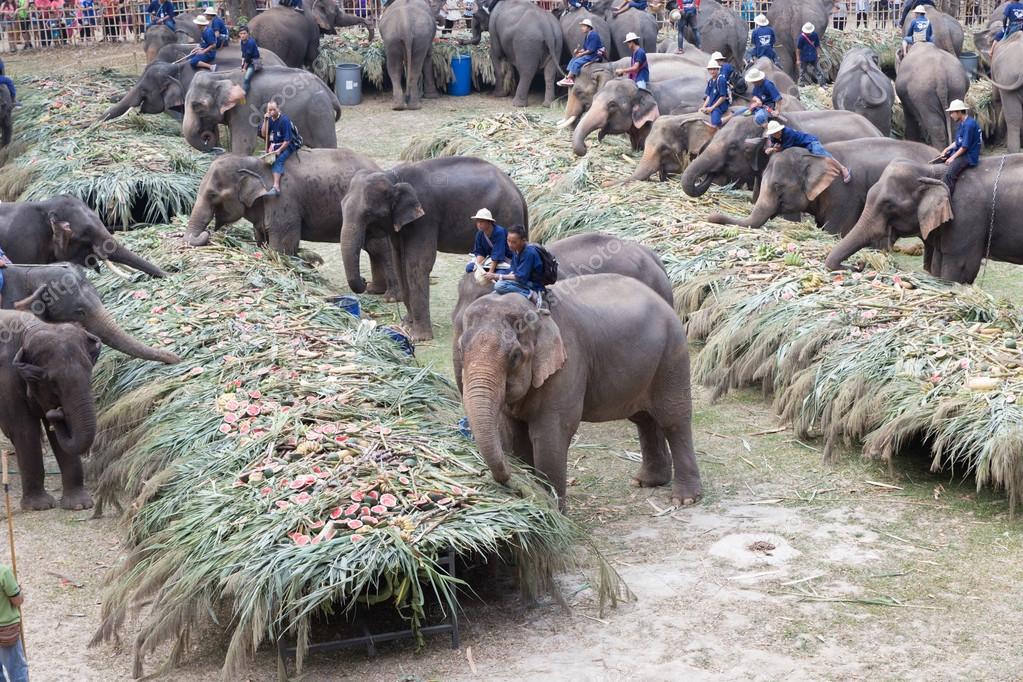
x=696 y=134
x=32 y=374
x=644 y=110
x=820 y=172
x=230 y=96
x=250 y=187
x=173 y=94
x=93 y=347
x=753 y=147
x=34 y=303
x=61 y=235
x=548 y=351
x=934 y=208
x=405 y=207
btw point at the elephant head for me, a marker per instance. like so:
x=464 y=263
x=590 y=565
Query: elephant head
x=506 y=350
x=985 y=38
x=158 y=89
x=906 y=201
x=231 y=186
x=375 y=201
x=61 y=293
x=208 y=100
x=480 y=22
x=79 y=236
x=55 y=361
x=329 y=17
x=734 y=153
x=592 y=77
x=155 y=39
x=672 y=141
x=619 y=107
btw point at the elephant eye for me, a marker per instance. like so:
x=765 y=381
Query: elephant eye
x=515 y=357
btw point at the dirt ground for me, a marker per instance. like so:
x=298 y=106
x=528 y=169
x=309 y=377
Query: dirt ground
x=786 y=570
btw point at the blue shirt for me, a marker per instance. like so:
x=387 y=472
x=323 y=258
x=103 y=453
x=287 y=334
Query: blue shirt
x=639 y=57
x=727 y=70
x=4 y=80
x=528 y=268
x=688 y=6
x=638 y=4
x=1013 y=14
x=921 y=25
x=762 y=39
x=592 y=43
x=250 y=51
x=495 y=247
x=808 y=46
x=716 y=87
x=280 y=130
x=219 y=27
x=166 y=10
x=208 y=38
x=968 y=137
x=768 y=93
x=795 y=138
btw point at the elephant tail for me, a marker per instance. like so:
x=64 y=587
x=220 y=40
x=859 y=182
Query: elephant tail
x=1016 y=85
x=551 y=42
x=871 y=83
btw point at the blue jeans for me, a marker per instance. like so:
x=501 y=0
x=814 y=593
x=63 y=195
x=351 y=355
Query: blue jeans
x=196 y=58
x=577 y=63
x=511 y=287
x=818 y=149
x=12 y=659
x=717 y=114
x=278 y=166
x=247 y=79
x=688 y=19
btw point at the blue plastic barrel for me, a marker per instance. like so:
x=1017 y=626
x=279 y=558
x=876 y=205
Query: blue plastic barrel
x=970 y=62
x=401 y=338
x=347 y=303
x=461 y=83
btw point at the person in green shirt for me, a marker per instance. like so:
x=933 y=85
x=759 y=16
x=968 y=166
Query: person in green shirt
x=12 y=654
x=24 y=24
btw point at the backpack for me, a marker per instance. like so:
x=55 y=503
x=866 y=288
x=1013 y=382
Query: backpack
x=549 y=275
x=296 y=137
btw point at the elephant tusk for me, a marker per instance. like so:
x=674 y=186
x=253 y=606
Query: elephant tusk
x=118 y=271
x=565 y=122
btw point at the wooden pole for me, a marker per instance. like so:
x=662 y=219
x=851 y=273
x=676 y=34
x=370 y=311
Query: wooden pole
x=10 y=539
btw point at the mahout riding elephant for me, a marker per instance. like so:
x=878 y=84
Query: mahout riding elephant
x=984 y=38
x=947 y=31
x=796 y=181
x=63 y=228
x=787 y=18
x=234 y=187
x=523 y=37
x=632 y=20
x=163 y=84
x=589 y=253
x=593 y=76
x=621 y=107
x=62 y=293
x=610 y=349
x=216 y=98
x=910 y=199
x=928 y=80
x=407 y=29
x=722 y=30
x=572 y=34
x=46 y=379
x=862 y=87
x=156 y=37
x=736 y=152
x=1007 y=76
x=295 y=36
x=423 y=208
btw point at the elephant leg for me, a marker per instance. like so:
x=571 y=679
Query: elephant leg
x=551 y=433
x=1012 y=109
x=72 y=477
x=284 y=237
x=526 y=65
x=414 y=268
x=522 y=446
x=27 y=443
x=395 y=67
x=384 y=276
x=656 y=467
x=673 y=413
x=550 y=78
x=429 y=76
x=912 y=132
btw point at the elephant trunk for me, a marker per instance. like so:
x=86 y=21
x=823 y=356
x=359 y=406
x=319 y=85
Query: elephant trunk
x=196 y=233
x=696 y=178
x=482 y=396
x=649 y=164
x=76 y=431
x=868 y=229
x=130 y=99
x=763 y=210
x=352 y=238
x=103 y=325
x=127 y=257
x=593 y=120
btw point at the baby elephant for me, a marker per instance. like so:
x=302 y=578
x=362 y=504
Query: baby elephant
x=610 y=349
x=46 y=381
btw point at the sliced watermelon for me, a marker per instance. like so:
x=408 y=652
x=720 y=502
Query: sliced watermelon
x=355 y=524
x=388 y=500
x=352 y=509
x=369 y=520
x=299 y=538
x=378 y=509
x=336 y=513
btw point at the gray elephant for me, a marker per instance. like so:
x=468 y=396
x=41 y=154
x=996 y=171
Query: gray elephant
x=156 y=37
x=722 y=30
x=63 y=228
x=610 y=349
x=736 y=152
x=423 y=208
x=234 y=188
x=46 y=376
x=910 y=199
x=408 y=28
x=1007 y=76
x=6 y=117
x=947 y=31
x=984 y=38
x=621 y=107
x=523 y=37
x=216 y=98
x=572 y=34
x=671 y=143
x=928 y=80
x=636 y=21
x=787 y=18
x=295 y=36
x=862 y=87
x=796 y=181
x=163 y=84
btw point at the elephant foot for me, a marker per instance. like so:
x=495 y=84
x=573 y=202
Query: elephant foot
x=414 y=106
x=376 y=288
x=398 y=106
x=431 y=95
x=516 y=102
x=76 y=500
x=420 y=335
x=685 y=496
x=391 y=296
x=38 y=501
x=649 y=478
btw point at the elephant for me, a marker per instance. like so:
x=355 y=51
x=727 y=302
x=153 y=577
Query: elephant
x=408 y=28
x=523 y=37
x=589 y=253
x=63 y=228
x=984 y=38
x=234 y=187
x=929 y=78
x=721 y=30
x=796 y=181
x=1007 y=76
x=572 y=34
x=862 y=87
x=156 y=37
x=610 y=349
x=295 y=36
x=787 y=18
x=62 y=293
x=636 y=21
x=959 y=232
x=215 y=98
x=423 y=208
x=672 y=141
x=46 y=379
x=593 y=76
x=735 y=153
x=621 y=107
x=948 y=32
x=163 y=84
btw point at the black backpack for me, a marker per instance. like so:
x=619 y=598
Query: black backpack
x=296 y=137
x=550 y=266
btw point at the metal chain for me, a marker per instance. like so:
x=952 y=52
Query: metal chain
x=991 y=224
